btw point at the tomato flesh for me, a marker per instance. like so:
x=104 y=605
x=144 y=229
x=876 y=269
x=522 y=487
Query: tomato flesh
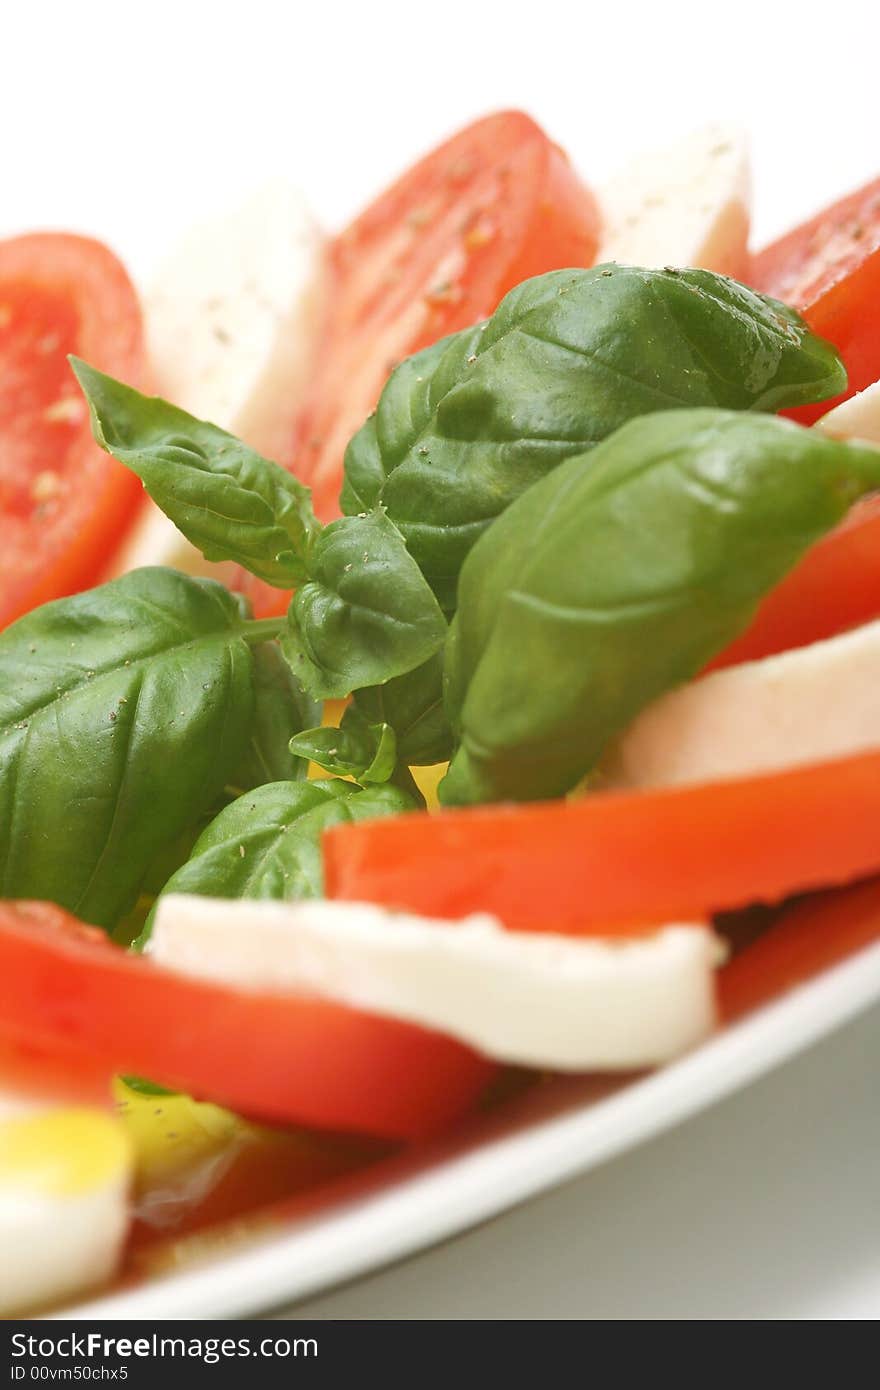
x=807 y=938
x=70 y=997
x=64 y=503
x=836 y=586
x=495 y=204
x=618 y=862
x=829 y=269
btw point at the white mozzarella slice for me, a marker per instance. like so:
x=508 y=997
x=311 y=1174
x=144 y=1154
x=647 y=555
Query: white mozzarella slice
x=231 y=323
x=683 y=206
x=857 y=418
x=542 y=1000
x=804 y=706
x=230 y=316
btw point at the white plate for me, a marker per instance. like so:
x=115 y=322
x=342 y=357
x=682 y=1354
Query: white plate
x=527 y=1146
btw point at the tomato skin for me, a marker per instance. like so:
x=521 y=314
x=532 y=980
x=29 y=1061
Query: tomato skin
x=836 y=586
x=617 y=862
x=68 y=992
x=64 y=503
x=829 y=269
x=436 y=252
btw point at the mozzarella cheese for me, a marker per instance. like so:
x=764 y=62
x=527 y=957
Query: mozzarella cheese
x=857 y=418
x=803 y=706
x=683 y=206
x=64 y=1180
x=567 y=1003
x=231 y=323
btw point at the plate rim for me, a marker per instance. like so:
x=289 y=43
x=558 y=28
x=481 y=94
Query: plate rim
x=496 y=1174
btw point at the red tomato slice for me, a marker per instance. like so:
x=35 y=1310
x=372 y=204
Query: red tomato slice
x=63 y=502
x=617 y=862
x=807 y=938
x=68 y=994
x=495 y=204
x=836 y=586
x=829 y=269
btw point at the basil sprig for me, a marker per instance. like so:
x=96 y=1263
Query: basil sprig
x=605 y=558
x=231 y=503
x=462 y=430
x=466 y=426
x=363 y=612
x=618 y=577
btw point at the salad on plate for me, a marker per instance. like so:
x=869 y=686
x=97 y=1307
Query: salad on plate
x=432 y=658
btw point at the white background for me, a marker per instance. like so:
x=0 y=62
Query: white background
x=128 y=121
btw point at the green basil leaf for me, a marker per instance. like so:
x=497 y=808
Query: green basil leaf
x=175 y=853
x=231 y=503
x=367 y=752
x=413 y=706
x=364 y=472
x=145 y=1088
x=367 y=613
x=281 y=710
x=405 y=410
x=466 y=426
x=267 y=844
x=122 y=713
x=618 y=577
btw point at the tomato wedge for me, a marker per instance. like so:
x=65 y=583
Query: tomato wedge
x=829 y=269
x=64 y=503
x=836 y=586
x=493 y=205
x=617 y=862
x=808 y=937
x=69 y=995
